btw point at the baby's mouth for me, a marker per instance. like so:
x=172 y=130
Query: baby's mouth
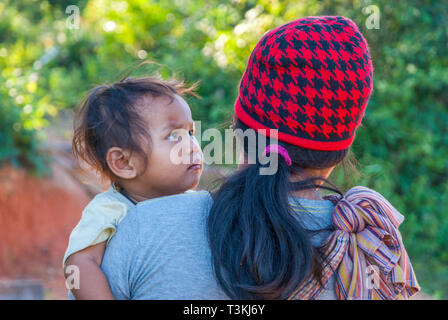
x=195 y=166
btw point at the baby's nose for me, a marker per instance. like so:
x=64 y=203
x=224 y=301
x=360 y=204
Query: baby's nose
x=195 y=151
x=194 y=145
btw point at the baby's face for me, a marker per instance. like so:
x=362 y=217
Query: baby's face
x=176 y=160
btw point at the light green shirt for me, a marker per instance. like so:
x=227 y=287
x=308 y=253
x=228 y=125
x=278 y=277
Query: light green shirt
x=99 y=221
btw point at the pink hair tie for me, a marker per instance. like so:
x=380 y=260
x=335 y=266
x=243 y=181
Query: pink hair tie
x=280 y=150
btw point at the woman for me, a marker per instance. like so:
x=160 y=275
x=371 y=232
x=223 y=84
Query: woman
x=275 y=236
x=310 y=80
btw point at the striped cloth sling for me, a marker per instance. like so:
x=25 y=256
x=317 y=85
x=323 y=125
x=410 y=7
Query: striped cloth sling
x=365 y=252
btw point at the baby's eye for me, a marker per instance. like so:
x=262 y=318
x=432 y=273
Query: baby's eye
x=174 y=136
x=191 y=132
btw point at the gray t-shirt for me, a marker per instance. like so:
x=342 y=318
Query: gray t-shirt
x=160 y=249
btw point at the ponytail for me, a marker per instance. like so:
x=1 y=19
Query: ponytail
x=259 y=249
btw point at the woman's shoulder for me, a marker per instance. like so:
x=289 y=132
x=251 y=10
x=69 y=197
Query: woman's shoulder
x=179 y=216
x=178 y=204
x=364 y=195
x=361 y=190
x=372 y=203
x=187 y=196
x=356 y=193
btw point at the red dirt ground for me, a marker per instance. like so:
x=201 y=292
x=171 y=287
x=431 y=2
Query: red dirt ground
x=36 y=218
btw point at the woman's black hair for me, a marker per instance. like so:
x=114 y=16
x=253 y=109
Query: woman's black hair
x=259 y=249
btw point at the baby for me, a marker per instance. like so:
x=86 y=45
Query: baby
x=138 y=133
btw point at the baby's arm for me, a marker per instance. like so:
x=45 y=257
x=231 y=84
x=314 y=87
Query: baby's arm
x=93 y=283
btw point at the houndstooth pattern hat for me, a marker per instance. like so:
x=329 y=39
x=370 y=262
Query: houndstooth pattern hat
x=311 y=80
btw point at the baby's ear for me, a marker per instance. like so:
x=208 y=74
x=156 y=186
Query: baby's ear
x=119 y=163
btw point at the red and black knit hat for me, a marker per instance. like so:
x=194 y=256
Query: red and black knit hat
x=311 y=80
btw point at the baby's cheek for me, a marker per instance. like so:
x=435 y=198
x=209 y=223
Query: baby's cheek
x=177 y=154
x=160 y=161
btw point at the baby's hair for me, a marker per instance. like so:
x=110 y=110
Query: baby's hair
x=109 y=117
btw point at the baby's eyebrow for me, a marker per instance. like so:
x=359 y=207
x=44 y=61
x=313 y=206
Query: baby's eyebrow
x=174 y=125
x=171 y=125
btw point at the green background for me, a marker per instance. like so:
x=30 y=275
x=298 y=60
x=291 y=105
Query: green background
x=402 y=145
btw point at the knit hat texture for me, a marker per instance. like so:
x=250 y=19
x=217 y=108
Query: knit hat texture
x=311 y=80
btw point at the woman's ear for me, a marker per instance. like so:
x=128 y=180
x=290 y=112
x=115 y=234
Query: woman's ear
x=119 y=162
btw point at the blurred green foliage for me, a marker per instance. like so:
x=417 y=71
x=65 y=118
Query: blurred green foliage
x=402 y=146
